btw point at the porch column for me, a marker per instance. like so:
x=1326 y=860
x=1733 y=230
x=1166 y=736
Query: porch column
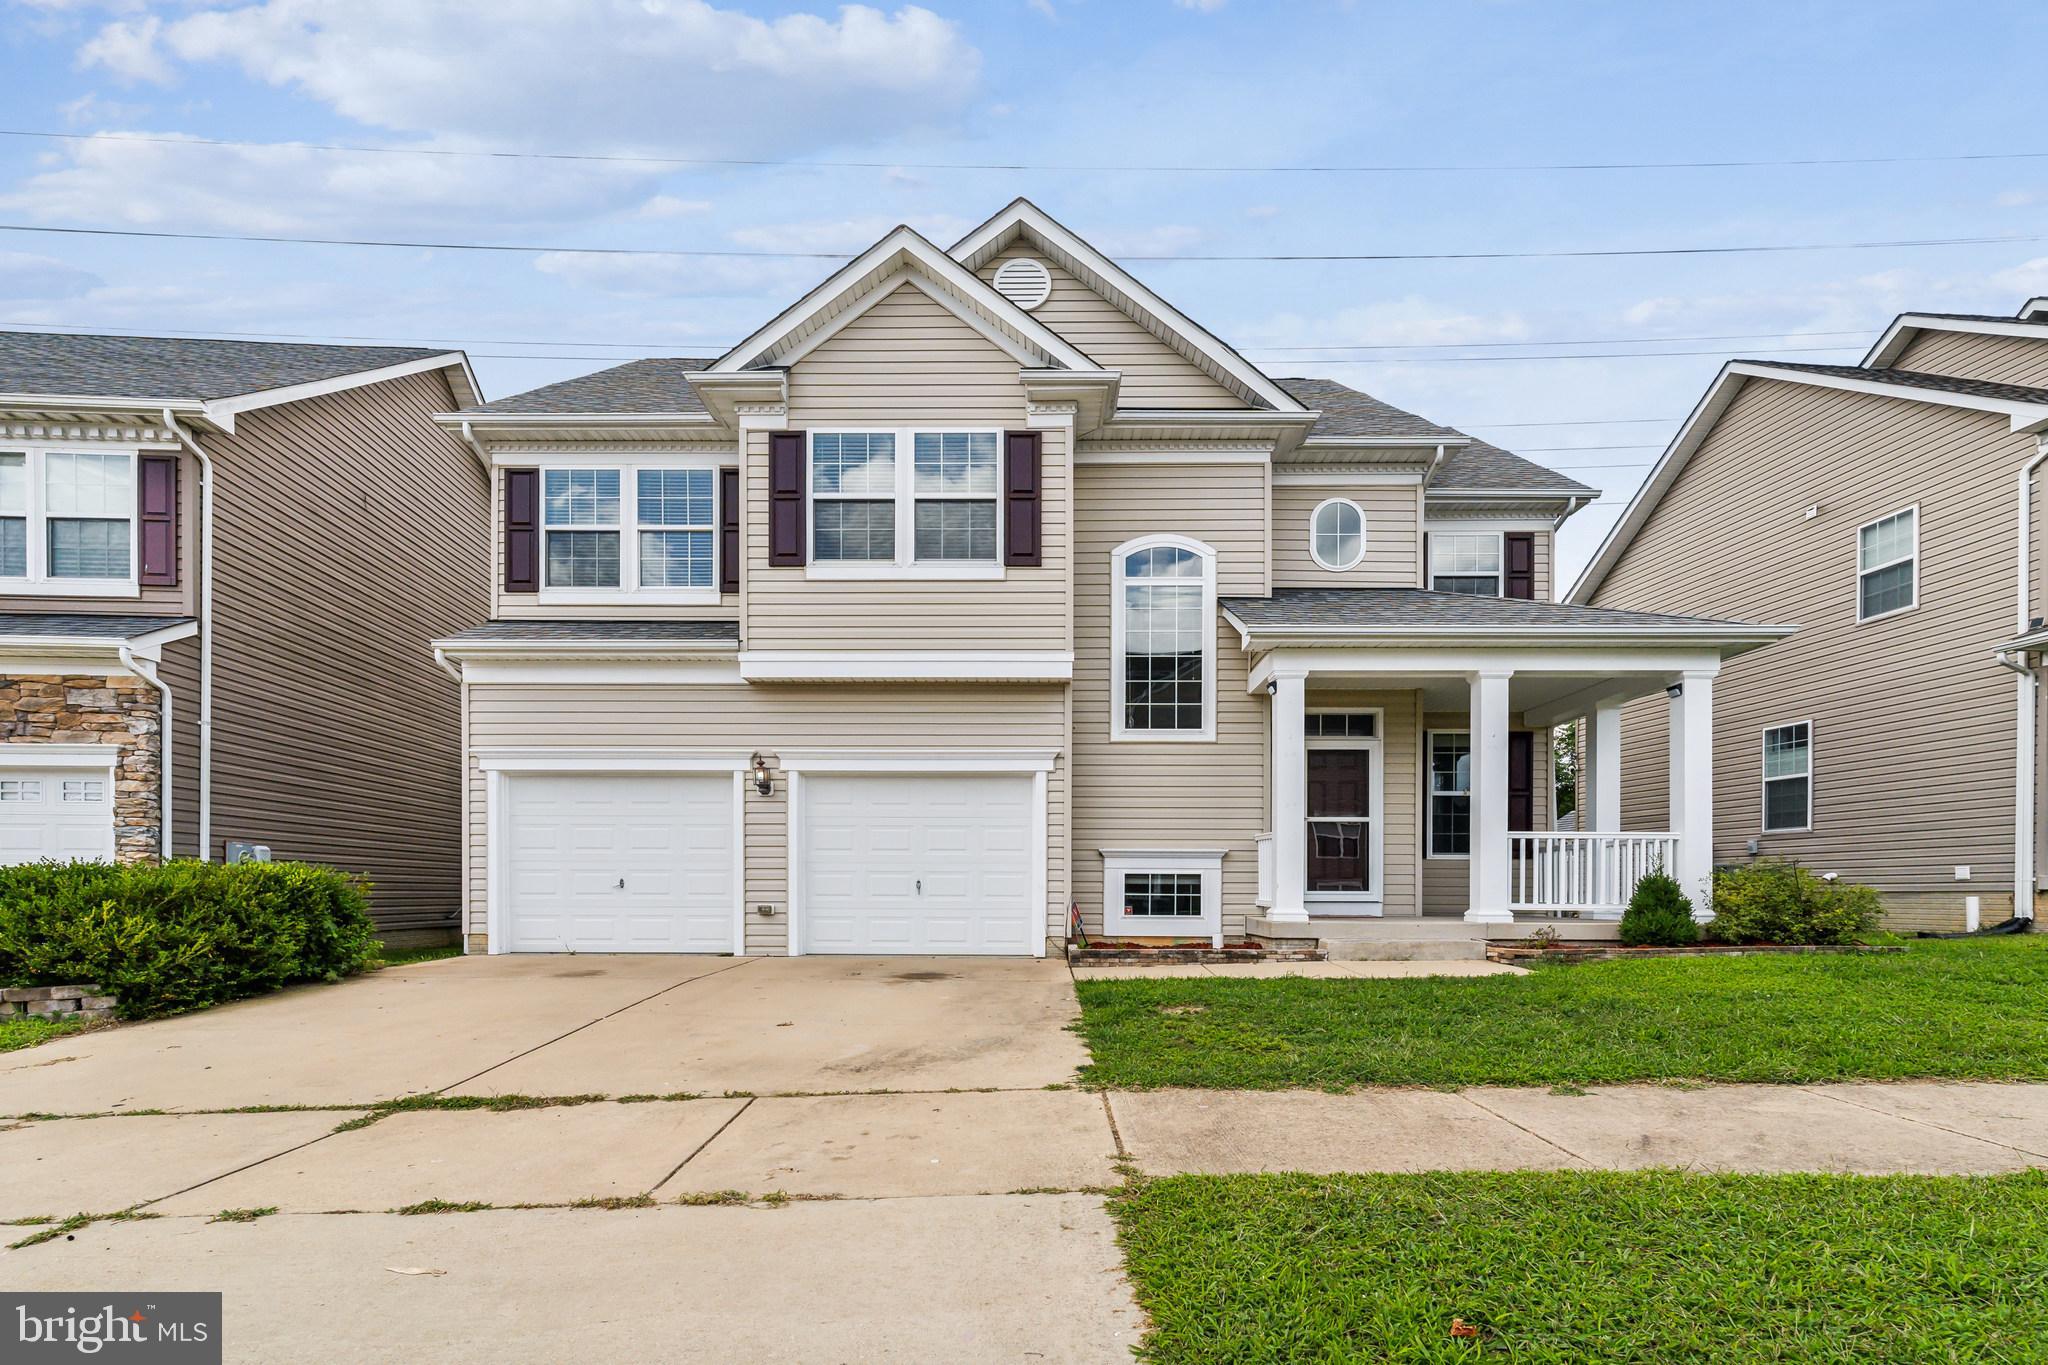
x=1603 y=767
x=1488 y=869
x=1290 y=798
x=1692 y=788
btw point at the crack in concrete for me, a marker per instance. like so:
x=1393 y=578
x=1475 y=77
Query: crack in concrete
x=1543 y=1138
x=694 y=1151
x=1923 y=1122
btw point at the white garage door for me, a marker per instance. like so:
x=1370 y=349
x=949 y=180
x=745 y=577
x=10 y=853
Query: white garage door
x=603 y=863
x=66 y=814
x=918 y=865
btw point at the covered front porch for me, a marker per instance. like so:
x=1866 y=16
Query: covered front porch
x=1437 y=801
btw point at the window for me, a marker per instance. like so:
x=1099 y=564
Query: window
x=1336 y=534
x=1340 y=724
x=1450 y=794
x=1177 y=892
x=1163 y=895
x=1887 y=565
x=646 y=531
x=853 y=495
x=20 y=789
x=1788 y=778
x=683 y=505
x=67 y=520
x=581 y=516
x=84 y=790
x=877 y=514
x=1465 y=562
x=955 y=488
x=1165 y=638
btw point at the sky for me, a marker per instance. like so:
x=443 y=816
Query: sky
x=1158 y=129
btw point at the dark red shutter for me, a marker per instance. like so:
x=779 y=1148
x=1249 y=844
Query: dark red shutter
x=728 y=530
x=1427 y=582
x=522 y=530
x=1521 y=779
x=1518 y=552
x=786 y=498
x=1023 y=498
x=157 y=511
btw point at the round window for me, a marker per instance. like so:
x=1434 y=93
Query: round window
x=1336 y=534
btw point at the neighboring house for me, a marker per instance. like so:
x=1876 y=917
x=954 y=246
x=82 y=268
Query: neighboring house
x=1886 y=508
x=983 y=585
x=220 y=566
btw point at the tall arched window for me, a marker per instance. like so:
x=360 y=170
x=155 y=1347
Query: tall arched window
x=1163 y=640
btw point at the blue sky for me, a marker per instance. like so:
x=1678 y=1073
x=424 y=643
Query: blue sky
x=1052 y=83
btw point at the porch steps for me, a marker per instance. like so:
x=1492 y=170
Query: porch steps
x=1419 y=939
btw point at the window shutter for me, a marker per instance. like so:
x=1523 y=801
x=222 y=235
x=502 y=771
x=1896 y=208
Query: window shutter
x=1521 y=779
x=1023 y=499
x=1518 y=565
x=1425 y=559
x=728 y=530
x=157 y=521
x=786 y=498
x=522 y=530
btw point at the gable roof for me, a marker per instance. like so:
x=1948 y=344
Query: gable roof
x=1470 y=465
x=656 y=387
x=1207 y=351
x=2026 y=409
x=184 y=369
x=1483 y=468
x=1892 y=343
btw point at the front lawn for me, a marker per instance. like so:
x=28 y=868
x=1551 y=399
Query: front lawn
x=1571 y=1267
x=1951 y=1009
x=28 y=1030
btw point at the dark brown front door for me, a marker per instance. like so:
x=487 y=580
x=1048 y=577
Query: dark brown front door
x=1339 y=784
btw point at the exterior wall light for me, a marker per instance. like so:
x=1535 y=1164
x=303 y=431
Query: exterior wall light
x=762 y=783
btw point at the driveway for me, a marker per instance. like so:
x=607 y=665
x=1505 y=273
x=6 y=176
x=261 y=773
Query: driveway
x=766 y=1126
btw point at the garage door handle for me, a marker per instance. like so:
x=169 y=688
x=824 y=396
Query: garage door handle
x=920 y=887
x=622 y=884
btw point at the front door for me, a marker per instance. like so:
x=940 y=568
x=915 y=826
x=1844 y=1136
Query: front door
x=1339 y=819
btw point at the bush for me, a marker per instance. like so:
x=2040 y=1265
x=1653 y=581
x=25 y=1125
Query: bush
x=1658 y=916
x=184 y=935
x=1775 y=902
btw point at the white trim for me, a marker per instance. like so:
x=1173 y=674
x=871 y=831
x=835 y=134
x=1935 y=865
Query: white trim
x=1500 y=552
x=221 y=411
x=1461 y=525
x=1912 y=558
x=1118 y=863
x=628 y=528
x=1429 y=796
x=906 y=665
x=562 y=759
x=1315 y=551
x=740 y=778
x=36 y=580
x=84 y=757
x=1707 y=412
x=940 y=761
x=1118 y=732
x=1218 y=455
x=571 y=672
x=1907 y=326
x=1344 y=476
x=1764 y=780
x=793 y=875
x=497 y=838
x=1368 y=901
x=1730 y=638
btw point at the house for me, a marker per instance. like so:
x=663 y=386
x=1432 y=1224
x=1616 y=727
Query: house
x=220 y=566
x=1888 y=508
x=981 y=592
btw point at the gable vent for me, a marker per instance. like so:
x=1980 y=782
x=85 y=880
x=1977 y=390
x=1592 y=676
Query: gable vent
x=1024 y=282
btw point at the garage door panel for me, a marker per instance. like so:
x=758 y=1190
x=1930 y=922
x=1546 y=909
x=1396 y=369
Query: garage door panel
x=59 y=814
x=620 y=863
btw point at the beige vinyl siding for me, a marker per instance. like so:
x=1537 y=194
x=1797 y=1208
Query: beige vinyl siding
x=1393 y=535
x=177 y=600
x=351 y=532
x=1546 y=582
x=537 y=606
x=1154 y=374
x=728 y=717
x=1168 y=794
x=908 y=361
x=1913 y=721
x=1972 y=355
x=1446 y=882
x=1400 y=780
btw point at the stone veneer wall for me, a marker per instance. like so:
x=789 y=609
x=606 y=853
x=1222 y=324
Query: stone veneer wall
x=94 y=709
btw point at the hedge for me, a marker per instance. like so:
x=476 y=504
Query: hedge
x=1778 y=902
x=183 y=935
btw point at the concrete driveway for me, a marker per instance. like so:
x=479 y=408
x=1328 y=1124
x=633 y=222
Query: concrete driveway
x=764 y=1126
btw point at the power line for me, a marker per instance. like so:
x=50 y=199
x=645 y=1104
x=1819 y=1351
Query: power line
x=1476 y=168
x=1325 y=257
x=1562 y=355
x=1576 y=422
x=1640 y=446
x=1583 y=341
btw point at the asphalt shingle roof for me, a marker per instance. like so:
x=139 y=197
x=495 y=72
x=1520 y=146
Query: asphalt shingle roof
x=1395 y=608
x=87 y=625
x=177 y=367
x=1488 y=468
x=1918 y=379
x=638 y=386
x=598 y=631
x=1347 y=412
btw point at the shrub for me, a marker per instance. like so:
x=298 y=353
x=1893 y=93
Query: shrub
x=184 y=935
x=1659 y=915
x=1777 y=902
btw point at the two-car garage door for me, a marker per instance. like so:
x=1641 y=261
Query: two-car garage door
x=884 y=863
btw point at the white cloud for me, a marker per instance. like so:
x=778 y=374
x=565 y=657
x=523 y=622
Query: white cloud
x=1410 y=321
x=687 y=277
x=91 y=108
x=1202 y=6
x=1263 y=211
x=624 y=75
x=23 y=276
x=1167 y=239
x=669 y=206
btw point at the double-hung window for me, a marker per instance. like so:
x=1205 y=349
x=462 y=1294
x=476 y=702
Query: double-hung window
x=67 y=521
x=1888 y=565
x=906 y=501
x=1164 y=640
x=1788 y=777
x=1467 y=562
x=610 y=531
x=1450 y=794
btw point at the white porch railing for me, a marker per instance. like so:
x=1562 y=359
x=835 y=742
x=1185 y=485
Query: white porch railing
x=1584 y=871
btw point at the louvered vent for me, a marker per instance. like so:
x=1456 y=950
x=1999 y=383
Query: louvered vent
x=1024 y=282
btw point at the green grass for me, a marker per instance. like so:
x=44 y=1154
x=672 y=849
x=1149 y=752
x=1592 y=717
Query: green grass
x=29 y=1030
x=1562 y=1268
x=405 y=957
x=1955 y=1009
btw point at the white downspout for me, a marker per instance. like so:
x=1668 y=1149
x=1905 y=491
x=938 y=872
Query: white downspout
x=147 y=672
x=2025 y=873
x=191 y=443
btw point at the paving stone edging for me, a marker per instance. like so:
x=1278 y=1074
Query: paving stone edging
x=1595 y=952
x=57 y=1002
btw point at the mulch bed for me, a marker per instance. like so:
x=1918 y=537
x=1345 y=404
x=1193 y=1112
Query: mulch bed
x=1099 y=952
x=1595 y=952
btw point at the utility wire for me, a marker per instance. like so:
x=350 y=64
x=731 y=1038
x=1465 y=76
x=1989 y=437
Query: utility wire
x=1390 y=168
x=1583 y=341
